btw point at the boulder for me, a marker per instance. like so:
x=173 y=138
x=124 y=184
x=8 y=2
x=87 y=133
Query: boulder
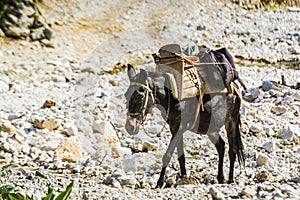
x=107 y=138
x=69 y=150
x=17 y=17
x=23 y=19
x=138 y=162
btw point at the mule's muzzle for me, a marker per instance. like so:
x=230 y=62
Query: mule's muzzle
x=132 y=125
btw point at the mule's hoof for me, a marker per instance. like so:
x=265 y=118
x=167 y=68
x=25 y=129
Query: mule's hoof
x=220 y=180
x=159 y=185
x=230 y=181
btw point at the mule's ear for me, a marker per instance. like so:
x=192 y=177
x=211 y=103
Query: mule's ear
x=143 y=76
x=130 y=72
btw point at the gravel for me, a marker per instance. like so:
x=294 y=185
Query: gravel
x=62 y=114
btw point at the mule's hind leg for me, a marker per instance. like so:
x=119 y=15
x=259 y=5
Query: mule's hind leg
x=219 y=143
x=231 y=135
x=232 y=127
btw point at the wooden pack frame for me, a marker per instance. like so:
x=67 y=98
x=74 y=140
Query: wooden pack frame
x=190 y=76
x=180 y=70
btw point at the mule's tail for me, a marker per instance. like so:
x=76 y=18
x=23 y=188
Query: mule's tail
x=239 y=143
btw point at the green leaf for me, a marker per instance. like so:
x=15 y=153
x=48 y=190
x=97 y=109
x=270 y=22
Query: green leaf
x=15 y=196
x=9 y=165
x=64 y=195
x=2 y=174
x=28 y=197
x=7 y=188
x=50 y=194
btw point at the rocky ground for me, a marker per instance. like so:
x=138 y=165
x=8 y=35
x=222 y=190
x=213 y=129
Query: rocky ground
x=63 y=112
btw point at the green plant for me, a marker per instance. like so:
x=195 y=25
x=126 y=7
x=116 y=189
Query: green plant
x=6 y=193
x=2 y=7
x=278 y=136
x=9 y=165
x=2 y=174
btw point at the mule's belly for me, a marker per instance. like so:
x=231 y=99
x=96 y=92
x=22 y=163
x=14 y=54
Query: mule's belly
x=214 y=115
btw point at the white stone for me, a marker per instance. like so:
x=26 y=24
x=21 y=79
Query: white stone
x=244 y=128
x=287 y=100
x=149 y=146
x=126 y=181
x=70 y=129
x=4 y=87
x=267 y=85
x=103 y=127
x=51 y=145
x=256 y=128
x=296 y=95
x=118 y=173
x=216 y=193
x=26 y=149
x=69 y=150
x=19 y=138
x=285 y=188
x=34 y=152
x=262 y=159
x=278 y=110
x=50 y=124
x=14 y=115
x=251 y=94
x=107 y=138
x=263 y=175
x=270 y=121
x=7 y=127
x=138 y=162
x=290 y=131
x=269 y=146
x=6 y=147
x=249 y=191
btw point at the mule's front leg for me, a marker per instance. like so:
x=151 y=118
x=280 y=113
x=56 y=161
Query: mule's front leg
x=175 y=140
x=220 y=146
x=181 y=157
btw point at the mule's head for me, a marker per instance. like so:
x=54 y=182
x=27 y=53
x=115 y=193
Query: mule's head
x=139 y=97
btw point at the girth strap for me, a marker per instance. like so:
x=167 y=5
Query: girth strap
x=230 y=89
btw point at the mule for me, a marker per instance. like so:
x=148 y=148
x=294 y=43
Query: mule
x=149 y=89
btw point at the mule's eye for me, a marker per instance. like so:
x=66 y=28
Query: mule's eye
x=141 y=90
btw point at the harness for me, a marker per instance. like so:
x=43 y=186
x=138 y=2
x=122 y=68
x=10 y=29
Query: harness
x=148 y=92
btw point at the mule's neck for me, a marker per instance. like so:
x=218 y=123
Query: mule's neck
x=163 y=96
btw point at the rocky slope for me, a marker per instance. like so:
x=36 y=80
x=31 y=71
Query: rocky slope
x=62 y=114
